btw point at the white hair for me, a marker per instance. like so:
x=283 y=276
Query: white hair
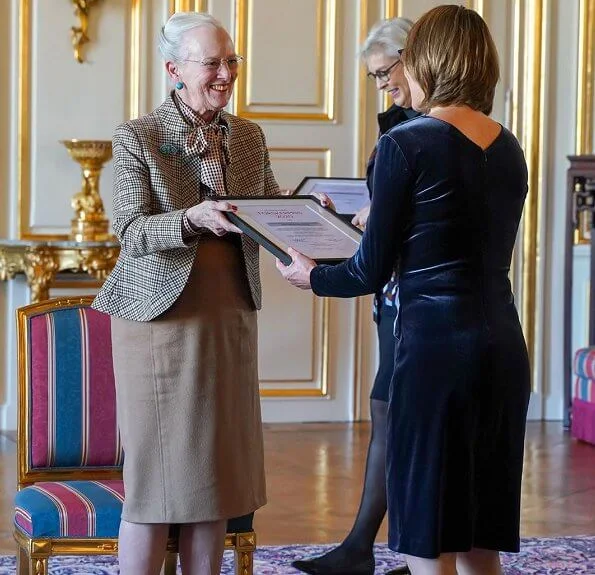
x=386 y=37
x=171 y=37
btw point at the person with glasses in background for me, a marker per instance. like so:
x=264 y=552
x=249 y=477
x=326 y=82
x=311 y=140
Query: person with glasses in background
x=448 y=194
x=380 y=53
x=183 y=300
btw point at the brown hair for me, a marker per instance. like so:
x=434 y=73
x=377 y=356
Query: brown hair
x=452 y=55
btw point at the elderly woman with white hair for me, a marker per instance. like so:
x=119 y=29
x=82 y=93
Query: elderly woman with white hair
x=183 y=299
x=381 y=55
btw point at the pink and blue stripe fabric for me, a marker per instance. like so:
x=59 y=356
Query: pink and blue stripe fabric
x=70 y=509
x=73 y=403
x=583 y=395
x=584 y=363
x=584 y=389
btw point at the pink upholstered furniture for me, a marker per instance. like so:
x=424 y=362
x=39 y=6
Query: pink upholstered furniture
x=583 y=396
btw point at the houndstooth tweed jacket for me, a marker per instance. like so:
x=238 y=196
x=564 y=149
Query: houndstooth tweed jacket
x=154 y=183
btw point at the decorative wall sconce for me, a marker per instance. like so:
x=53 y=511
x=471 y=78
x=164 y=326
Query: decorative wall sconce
x=79 y=33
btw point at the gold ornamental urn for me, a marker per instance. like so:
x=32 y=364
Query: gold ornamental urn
x=89 y=223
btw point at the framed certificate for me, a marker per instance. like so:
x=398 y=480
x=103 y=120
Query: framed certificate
x=349 y=195
x=297 y=222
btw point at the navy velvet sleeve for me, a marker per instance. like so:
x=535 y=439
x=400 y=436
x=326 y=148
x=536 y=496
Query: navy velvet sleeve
x=370 y=268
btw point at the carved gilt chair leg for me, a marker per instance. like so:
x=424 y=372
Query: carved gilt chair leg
x=170 y=563
x=22 y=561
x=244 y=563
x=38 y=566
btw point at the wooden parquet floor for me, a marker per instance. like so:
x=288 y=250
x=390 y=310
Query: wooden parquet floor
x=315 y=474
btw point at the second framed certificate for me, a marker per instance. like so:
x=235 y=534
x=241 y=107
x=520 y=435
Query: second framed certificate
x=349 y=195
x=298 y=222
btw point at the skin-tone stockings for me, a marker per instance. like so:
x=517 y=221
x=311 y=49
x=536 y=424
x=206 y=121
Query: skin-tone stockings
x=474 y=562
x=201 y=547
x=141 y=547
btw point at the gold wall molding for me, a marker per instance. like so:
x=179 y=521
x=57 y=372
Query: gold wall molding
x=362 y=159
x=24 y=120
x=586 y=78
x=517 y=70
x=134 y=58
x=364 y=23
x=321 y=342
x=24 y=136
x=535 y=77
x=187 y=6
x=324 y=109
x=393 y=8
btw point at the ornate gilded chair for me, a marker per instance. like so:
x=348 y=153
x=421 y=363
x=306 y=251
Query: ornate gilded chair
x=69 y=456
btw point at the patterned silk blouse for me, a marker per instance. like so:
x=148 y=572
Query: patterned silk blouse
x=211 y=141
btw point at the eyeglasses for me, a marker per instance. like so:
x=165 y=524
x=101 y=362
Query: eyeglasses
x=383 y=75
x=214 y=64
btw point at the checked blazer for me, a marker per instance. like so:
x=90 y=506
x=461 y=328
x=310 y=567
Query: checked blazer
x=155 y=182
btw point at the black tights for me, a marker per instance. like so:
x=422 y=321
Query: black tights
x=372 y=507
x=355 y=554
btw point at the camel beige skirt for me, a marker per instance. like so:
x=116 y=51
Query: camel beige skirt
x=188 y=402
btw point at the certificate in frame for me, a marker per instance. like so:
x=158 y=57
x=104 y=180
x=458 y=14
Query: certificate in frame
x=278 y=223
x=349 y=195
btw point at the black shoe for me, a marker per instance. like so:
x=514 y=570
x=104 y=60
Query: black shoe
x=399 y=571
x=316 y=567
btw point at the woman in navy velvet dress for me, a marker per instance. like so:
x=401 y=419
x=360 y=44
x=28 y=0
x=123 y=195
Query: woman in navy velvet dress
x=355 y=555
x=448 y=192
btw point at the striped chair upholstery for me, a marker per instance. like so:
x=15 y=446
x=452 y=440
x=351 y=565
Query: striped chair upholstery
x=583 y=395
x=70 y=509
x=584 y=389
x=73 y=423
x=70 y=489
x=584 y=363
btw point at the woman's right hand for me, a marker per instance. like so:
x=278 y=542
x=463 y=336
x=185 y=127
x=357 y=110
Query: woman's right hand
x=361 y=218
x=210 y=214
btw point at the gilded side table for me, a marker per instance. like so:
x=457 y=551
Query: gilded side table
x=41 y=261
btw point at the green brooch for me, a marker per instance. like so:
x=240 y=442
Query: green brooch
x=169 y=149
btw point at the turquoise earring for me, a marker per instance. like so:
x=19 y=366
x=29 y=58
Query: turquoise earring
x=179 y=85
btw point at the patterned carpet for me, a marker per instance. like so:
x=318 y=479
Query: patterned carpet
x=559 y=556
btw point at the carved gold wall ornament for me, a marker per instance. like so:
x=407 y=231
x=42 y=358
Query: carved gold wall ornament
x=79 y=34
x=90 y=223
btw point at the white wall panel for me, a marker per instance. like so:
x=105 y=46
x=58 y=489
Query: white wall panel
x=290 y=323
x=71 y=100
x=560 y=142
x=296 y=79
x=293 y=28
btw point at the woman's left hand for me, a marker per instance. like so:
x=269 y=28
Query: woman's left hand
x=324 y=200
x=298 y=272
